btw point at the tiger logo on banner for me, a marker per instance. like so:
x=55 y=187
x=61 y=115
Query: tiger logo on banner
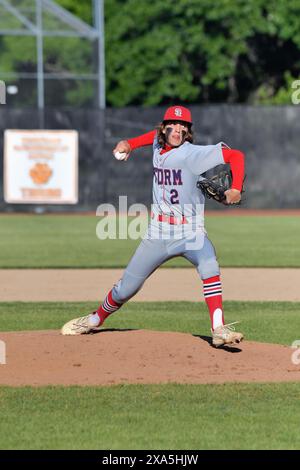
x=40 y=173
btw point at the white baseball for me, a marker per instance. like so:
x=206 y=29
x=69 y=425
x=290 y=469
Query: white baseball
x=120 y=155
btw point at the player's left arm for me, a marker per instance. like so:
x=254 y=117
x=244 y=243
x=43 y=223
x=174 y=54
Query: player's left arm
x=236 y=160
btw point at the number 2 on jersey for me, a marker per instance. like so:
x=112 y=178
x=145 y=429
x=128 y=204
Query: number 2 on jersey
x=174 y=196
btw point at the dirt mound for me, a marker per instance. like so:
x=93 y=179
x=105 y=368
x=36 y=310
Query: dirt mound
x=138 y=356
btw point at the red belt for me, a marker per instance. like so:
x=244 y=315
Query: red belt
x=170 y=219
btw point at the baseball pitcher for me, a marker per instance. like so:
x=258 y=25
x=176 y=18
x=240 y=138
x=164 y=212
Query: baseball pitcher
x=176 y=226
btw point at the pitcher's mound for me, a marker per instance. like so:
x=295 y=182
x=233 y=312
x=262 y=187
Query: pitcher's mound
x=138 y=356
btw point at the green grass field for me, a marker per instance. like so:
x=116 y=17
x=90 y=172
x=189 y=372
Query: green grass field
x=51 y=241
x=230 y=416
x=172 y=416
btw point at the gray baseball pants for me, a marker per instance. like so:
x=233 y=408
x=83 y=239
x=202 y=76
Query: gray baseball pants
x=152 y=253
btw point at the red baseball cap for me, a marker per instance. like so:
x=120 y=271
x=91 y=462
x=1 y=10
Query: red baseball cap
x=178 y=113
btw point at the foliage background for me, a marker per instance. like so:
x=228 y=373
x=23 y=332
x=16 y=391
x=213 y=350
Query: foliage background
x=159 y=52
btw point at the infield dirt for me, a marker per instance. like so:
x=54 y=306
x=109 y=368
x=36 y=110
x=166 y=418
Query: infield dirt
x=71 y=285
x=112 y=357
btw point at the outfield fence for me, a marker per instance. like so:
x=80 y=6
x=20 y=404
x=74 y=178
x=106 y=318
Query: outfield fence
x=268 y=136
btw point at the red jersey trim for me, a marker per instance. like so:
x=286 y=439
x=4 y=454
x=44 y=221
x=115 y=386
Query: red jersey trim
x=235 y=158
x=142 y=140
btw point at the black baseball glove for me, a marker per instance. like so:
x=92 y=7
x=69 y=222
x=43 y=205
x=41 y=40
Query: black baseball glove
x=215 y=187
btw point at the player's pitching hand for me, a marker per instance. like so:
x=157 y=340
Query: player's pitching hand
x=122 y=150
x=233 y=196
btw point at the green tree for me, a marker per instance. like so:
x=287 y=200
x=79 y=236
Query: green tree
x=82 y=8
x=199 y=51
x=161 y=52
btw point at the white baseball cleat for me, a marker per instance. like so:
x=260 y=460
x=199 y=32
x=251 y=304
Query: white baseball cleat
x=82 y=325
x=226 y=334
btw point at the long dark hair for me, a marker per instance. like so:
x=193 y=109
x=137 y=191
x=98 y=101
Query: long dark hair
x=161 y=137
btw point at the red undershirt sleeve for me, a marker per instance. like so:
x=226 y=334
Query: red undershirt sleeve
x=235 y=158
x=142 y=140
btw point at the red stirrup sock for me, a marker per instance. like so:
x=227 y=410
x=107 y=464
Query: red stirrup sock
x=108 y=307
x=212 y=289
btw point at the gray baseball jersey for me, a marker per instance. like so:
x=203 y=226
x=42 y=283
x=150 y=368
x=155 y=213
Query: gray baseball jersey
x=175 y=174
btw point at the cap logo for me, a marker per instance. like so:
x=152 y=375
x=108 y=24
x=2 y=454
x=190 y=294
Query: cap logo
x=178 y=112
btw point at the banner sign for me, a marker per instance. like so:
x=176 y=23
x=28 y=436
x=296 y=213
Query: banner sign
x=41 y=166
